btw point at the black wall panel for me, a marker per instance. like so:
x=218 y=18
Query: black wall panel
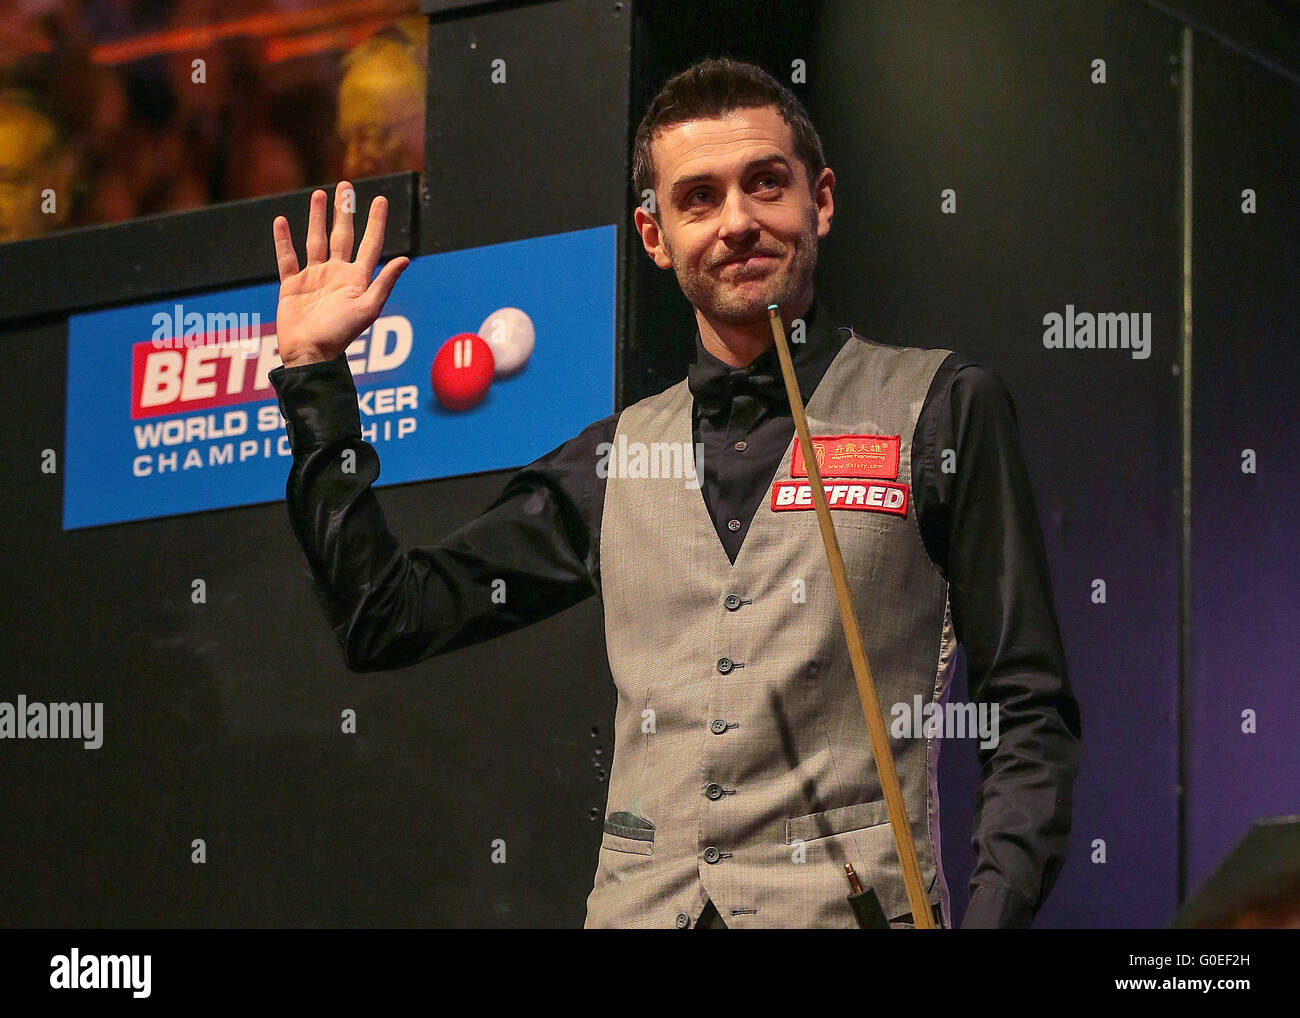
x=1245 y=525
x=1066 y=195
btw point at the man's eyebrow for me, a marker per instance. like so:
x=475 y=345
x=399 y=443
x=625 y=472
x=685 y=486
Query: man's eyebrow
x=682 y=182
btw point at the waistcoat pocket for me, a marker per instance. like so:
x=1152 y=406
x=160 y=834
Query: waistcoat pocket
x=840 y=820
x=625 y=832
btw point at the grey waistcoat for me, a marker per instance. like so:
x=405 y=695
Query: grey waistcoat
x=742 y=768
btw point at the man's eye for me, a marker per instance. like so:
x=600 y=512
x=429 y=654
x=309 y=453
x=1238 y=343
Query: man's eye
x=691 y=196
x=772 y=177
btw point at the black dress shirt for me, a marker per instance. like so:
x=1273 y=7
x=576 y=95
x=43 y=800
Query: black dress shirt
x=391 y=607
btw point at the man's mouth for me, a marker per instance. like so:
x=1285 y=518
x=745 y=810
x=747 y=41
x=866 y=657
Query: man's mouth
x=754 y=261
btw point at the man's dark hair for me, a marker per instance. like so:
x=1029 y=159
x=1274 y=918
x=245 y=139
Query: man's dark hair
x=713 y=88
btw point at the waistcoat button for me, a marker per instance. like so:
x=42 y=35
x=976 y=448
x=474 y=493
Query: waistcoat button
x=712 y=855
x=717 y=726
x=733 y=525
x=742 y=445
x=732 y=602
x=713 y=790
x=683 y=920
x=725 y=664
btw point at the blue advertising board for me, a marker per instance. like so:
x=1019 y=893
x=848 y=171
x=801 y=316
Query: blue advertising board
x=170 y=411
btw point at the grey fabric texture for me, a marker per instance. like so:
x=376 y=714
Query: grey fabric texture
x=760 y=814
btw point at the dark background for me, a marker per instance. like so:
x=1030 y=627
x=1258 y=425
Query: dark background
x=222 y=720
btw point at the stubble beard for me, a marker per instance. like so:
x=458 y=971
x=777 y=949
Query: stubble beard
x=722 y=302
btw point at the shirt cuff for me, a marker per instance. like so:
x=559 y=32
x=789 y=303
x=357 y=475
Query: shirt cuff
x=997 y=908
x=318 y=402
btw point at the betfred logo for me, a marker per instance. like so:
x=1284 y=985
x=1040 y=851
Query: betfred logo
x=867 y=496
x=197 y=370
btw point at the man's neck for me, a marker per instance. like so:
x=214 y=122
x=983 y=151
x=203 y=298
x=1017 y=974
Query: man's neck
x=737 y=345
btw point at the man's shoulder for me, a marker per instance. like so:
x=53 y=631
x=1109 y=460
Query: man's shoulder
x=858 y=341
x=953 y=369
x=665 y=399
x=961 y=385
x=883 y=364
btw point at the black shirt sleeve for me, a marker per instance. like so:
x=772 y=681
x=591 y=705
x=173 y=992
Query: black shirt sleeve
x=530 y=554
x=979 y=523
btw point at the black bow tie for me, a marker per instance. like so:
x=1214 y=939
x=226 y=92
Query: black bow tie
x=713 y=386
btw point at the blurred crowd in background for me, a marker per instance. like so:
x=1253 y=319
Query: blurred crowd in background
x=114 y=109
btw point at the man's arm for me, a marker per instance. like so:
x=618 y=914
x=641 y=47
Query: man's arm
x=390 y=608
x=528 y=555
x=985 y=533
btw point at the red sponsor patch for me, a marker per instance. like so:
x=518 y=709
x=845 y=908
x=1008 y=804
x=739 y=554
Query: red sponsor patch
x=200 y=372
x=867 y=496
x=850 y=456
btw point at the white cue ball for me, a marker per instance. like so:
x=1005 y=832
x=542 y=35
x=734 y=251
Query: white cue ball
x=509 y=332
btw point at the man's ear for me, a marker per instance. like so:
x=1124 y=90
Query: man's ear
x=825 y=201
x=652 y=237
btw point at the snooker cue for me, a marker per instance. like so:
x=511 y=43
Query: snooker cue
x=898 y=821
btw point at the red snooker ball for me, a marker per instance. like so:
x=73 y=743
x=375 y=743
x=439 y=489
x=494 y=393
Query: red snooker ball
x=462 y=371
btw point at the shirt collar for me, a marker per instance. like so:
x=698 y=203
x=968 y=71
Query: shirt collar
x=712 y=381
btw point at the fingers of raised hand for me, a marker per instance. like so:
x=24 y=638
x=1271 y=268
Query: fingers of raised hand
x=317 y=248
x=382 y=285
x=345 y=203
x=372 y=241
x=286 y=259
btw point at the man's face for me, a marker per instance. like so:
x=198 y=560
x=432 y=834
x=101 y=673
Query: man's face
x=729 y=189
x=381 y=115
x=24 y=137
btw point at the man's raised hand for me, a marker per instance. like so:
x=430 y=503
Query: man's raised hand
x=328 y=304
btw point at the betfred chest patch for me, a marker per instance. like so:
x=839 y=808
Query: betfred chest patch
x=865 y=496
x=858 y=473
x=850 y=456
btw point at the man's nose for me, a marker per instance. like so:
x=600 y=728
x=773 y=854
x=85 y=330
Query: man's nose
x=737 y=219
x=360 y=162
